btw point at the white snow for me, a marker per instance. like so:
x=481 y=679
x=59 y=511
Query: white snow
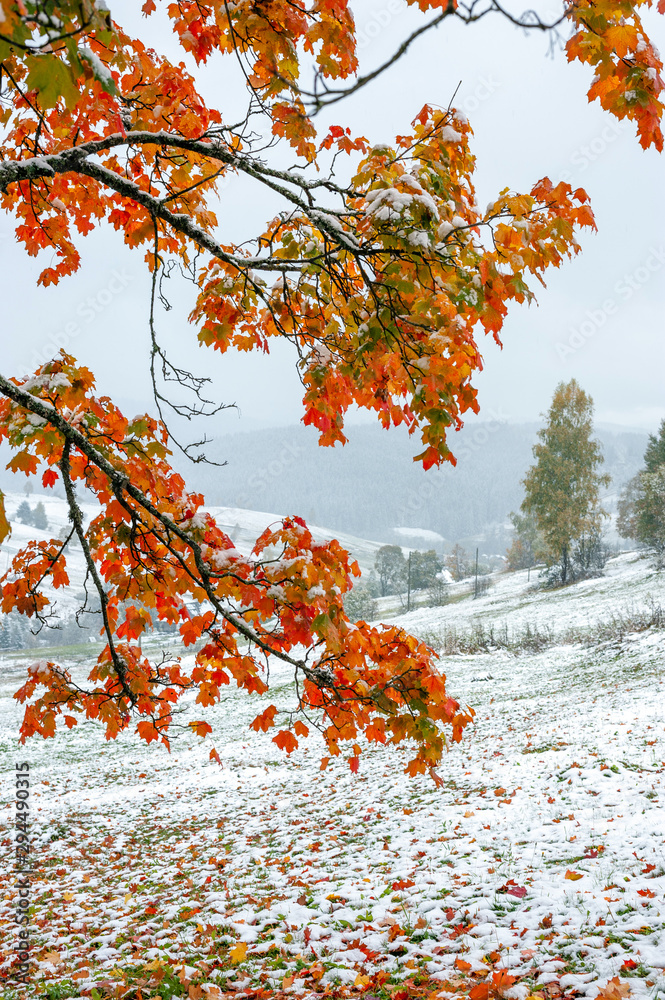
x=542 y=854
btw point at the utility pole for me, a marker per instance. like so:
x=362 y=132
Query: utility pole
x=475 y=589
x=408 y=586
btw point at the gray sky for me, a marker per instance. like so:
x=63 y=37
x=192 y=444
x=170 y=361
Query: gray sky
x=600 y=319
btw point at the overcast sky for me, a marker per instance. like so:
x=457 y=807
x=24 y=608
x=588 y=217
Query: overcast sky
x=600 y=319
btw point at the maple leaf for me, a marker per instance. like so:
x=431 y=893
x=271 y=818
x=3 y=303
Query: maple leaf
x=238 y=953
x=285 y=740
x=614 y=990
x=5 y=526
x=200 y=728
x=402 y=884
x=265 y=720
x=147 y=731
x=513 y=889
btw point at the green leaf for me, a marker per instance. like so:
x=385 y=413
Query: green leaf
x=53 y=80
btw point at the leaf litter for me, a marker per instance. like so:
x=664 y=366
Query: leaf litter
x=536 y=870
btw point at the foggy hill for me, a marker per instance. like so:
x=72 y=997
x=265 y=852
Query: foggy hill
x=371 y=486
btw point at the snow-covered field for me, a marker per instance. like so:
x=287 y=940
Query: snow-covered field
x=542 y=858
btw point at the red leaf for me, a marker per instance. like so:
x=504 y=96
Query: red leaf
x=502 y=980
x=147 y=731
x=513 y=889
x=285 y=740
x=200 y=728
x=265 y=720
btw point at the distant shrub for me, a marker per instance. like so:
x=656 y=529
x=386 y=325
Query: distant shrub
x=532 y=638
x=360 y=604
x=438 y=592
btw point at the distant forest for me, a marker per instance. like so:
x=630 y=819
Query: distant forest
x=372 y=486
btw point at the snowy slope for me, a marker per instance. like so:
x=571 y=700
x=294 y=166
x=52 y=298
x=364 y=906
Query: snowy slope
x=514 y=600
x=243 y=526
x=542 y=856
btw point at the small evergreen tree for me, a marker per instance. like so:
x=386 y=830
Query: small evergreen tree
x=39 y=519
x=390 y=566
x=24 y=513
x=563 y=486
x=654 y=456
x=642 y=501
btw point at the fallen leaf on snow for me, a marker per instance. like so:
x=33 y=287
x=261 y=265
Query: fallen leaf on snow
x=513 y=889
x=615 y=990
x=238 y=953
x=212 y=992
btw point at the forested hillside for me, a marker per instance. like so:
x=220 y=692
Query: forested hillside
x=371 y=486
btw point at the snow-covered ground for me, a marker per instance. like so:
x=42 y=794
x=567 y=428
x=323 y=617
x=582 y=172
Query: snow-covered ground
x=542 y=857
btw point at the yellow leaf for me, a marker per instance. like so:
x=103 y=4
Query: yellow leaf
x=128 y=896
x=238 y=953
x=5 y=526
x=53 y=957
x=68 y=896
x=361 y=981
x=573 y=876
x=288 y=981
